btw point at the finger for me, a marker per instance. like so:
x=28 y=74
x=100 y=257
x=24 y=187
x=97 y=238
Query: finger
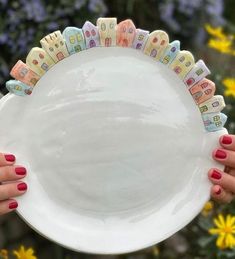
x=226 y=181
x=231 y=171
x=8 y=206
x=10 y=190
x=220 y=195
x=228 y=142
x=7 y=159
x=10 y=173
x=225 y=157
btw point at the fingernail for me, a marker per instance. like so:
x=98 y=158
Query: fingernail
x=22 y=186
x=218 y=192
x=227 y=140
x=10 y=158
x=13 y=205
x=216 y=175
x=220 y=154
x=20 y=170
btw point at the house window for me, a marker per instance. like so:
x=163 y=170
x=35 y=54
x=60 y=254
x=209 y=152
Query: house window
x=155 y=40
x=41 y=56
x=187 y=64
x=199 y=71
x=103 y=26
x=215 y=104
x=181 y=59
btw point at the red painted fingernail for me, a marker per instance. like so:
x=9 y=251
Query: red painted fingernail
x=227 y=140
x=10 y=158
x=20 y=170
x=220 y=154
x=218 y=192
x=13 y=205
x=216 y=175
x=22 y=186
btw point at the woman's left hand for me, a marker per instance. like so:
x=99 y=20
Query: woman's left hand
x=223 y=189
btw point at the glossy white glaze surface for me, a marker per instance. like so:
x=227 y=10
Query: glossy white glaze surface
x=116 y=151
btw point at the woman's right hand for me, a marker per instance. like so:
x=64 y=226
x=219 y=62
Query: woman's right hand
x=11 y=184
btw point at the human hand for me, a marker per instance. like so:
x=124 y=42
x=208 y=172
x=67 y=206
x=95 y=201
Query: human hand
x=223 y=188
x=10 y=186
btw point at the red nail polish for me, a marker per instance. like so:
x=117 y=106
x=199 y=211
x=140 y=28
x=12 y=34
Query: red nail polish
x=219 y=191
x=22 y=186
x=220 y=154
x=13 y=205
x=20 y=170
x=227 y=140
x=10 y=158
x=216 y=175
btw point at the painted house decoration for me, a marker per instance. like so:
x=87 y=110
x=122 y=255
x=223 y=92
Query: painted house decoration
x=202 y=91
x=156 y=44
x=91 y=35
x=170 y=52
x=214 y=121
x=126 y=32
x=24 y=74
x=183 y=63
x=198 y=72
x=107 y=31
x=215 y=104
x=74 y=39
x=18 y=88
x=39 y=61
x=54 y=45
x=140 y=40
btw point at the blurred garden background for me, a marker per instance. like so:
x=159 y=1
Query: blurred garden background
x=205 y=27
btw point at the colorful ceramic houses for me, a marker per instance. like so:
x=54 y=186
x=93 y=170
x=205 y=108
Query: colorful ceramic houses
x=140 y=39
x=18 y=88
x=91 y=35
x=183 y=63
x=214 y=121
x=54 y=45
x=156 y=44
x=107 y=31
x=24 y=74
x=214 y=104
x=197 y=73
x=126 y=32
x=170 y=52
x=74 y=39
x=39 y=61
x=202 y=91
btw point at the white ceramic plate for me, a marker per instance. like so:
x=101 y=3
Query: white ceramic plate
x=116 y=151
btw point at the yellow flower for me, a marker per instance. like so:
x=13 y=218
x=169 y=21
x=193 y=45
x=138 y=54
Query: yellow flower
x=208 y=207
x=225 y=231
x=220 y=41
x=215 y=32
x=24 y=254
x=3 y=254
x=230 y=86
x=223 y=46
